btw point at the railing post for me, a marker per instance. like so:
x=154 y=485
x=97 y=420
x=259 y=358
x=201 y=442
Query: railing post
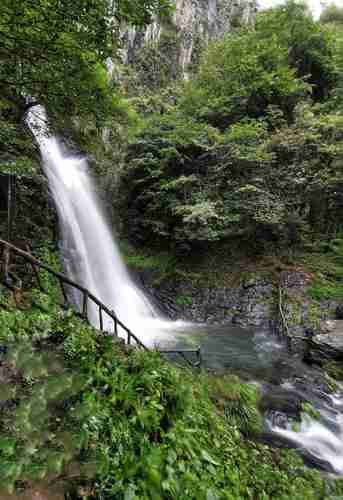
x=36 y=274
x=6 y=248
x=7 y=251
x=2 y=262
x=199 y=359
x=115 y=323
x=64 y=293
x=101 y=322
x=85 y=305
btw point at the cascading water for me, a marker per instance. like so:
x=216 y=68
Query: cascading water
x=319 y=439
x=91 y=256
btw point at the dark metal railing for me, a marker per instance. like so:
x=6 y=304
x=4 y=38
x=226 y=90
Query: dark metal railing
x=182 y=354
x=63 y=280
x=87 y=297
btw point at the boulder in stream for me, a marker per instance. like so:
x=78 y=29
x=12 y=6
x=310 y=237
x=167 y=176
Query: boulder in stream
x=328 y=344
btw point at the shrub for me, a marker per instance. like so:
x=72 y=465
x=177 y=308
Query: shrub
x=240 y=76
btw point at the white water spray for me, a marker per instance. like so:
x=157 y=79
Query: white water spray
x=321 y=439
x=90 y=252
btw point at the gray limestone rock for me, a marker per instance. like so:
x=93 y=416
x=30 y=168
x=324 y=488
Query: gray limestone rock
x=194 y=20
x=328 y=344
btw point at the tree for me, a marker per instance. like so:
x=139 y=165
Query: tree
x=56 y=50
x=332 y=14
x=242 y=75
x=309 y=46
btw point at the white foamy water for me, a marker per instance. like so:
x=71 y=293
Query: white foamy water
x=91 y=255
x=321 y=439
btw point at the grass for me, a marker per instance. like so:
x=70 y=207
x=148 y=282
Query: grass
x=140 y=259
x=226 y=266
x=326 y=265
x=324 y=289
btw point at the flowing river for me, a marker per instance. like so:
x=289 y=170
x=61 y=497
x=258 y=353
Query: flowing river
x=91 y=258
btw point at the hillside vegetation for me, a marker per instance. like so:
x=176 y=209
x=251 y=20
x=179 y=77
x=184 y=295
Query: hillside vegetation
x=80 y=411
x=249 y=151
x=243 y=158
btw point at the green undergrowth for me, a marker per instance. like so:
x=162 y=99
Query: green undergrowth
x=334 y=369
x=76 y=407
x=326 y=265
x=140 y=260
x=162 y=265
x=217 y=265
x=226 y=265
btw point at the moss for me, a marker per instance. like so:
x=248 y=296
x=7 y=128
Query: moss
x=184 y=300
x=326 y=267
x=139 y=259
x=334 y=369
x=314 y=315
x=325 y=289
x=292 y=307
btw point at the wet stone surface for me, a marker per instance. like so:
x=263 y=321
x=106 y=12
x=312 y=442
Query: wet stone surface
x=328 y=344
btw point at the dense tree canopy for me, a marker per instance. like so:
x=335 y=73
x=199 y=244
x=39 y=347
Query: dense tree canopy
x=251 y=151
x=332 y=14
x=286 y=57
x=240 y=76
x=55 y=50
x=309 y=46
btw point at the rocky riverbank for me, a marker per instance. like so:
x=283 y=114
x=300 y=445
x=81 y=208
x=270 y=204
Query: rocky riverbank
x=260 y=301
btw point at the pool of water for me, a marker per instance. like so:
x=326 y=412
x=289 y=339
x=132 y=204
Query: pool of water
x=286 y=383
x=225 y=347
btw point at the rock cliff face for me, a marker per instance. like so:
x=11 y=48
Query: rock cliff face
x=313 y=328
x=194 y=22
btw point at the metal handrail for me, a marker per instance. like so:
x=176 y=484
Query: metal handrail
x=63 y=279
x=182 y=352
x=86 y=296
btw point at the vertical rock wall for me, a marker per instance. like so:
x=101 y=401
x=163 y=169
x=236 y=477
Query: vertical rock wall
x=194 y=22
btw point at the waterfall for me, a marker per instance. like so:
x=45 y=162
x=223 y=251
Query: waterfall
x=89 y=250
x=92 y=259
x=318 y=442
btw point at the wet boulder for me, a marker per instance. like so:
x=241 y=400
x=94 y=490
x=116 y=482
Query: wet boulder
x=328 y=344
x=339 y=311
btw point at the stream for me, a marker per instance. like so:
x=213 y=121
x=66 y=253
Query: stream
x=286 y=384
x=91 y=257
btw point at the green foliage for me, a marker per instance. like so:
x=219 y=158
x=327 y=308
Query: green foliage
x=240 y=152
x=332 y=14
x=184 y=300
x=76 y=407
x=325 y=289
x=287 y=56
x=241 y=76
x=327 y=280
x=310 y=47
x=334 y=369
x=56 y=52
x=13 y=139
x=237 y=401
x=308 y=410
x=159 y=172
x=263 y=181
